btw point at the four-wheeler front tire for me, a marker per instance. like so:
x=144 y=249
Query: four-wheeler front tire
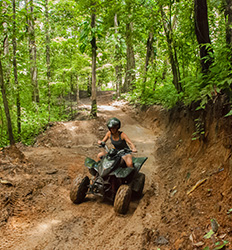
x=122 y=199
x=79 y=189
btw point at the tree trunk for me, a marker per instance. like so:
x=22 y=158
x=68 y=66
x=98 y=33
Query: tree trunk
x=2 y=124
x=71 y=83
x=149 y=52
x=32 y=53
x=202 y=33
x=48 y=58
x=94 y=56
x=130 y=66
x=6 y=107
x=150 y=41
x=172 y=53
x=6 y=46
x=78 y=93
x=89 y=86
x=228 y=17
x=18 y=104
x=118 y=67
x=71 y=95
x=176 y=81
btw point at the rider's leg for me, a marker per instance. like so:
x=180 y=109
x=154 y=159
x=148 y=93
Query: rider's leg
x=100 y=155
x=128 y=159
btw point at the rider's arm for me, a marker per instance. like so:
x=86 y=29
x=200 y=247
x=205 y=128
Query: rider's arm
x=105 y=139
x=128 y=141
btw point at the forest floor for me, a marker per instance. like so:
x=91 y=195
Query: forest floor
x=36 y=211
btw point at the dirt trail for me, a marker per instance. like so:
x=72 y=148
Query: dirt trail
x=49 y=220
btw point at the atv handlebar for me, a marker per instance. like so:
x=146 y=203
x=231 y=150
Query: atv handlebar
x=123 y=151
x=120 y=152
x=103 y=145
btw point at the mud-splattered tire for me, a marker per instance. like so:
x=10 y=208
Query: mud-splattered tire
x=79 y=189
x=141 y=181
x=122 y=199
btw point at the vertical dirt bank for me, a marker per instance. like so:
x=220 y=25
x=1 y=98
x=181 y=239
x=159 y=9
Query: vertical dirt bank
x=194 y=156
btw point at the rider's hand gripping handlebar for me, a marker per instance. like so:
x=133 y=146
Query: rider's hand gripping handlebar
x=103 y=145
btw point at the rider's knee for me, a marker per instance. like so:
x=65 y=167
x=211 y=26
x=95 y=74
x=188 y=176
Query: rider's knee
x=130 y=164
x=100 y=156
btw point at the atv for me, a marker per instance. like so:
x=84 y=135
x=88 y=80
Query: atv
x=112 y=179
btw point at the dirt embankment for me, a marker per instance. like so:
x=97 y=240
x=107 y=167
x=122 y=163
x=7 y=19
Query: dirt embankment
x=187 y=191
x=195 y=165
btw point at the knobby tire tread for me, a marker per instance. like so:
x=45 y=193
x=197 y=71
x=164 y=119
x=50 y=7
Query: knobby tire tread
x=122 y=199
x=79 y=189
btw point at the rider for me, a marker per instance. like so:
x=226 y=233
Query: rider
x=119 y=140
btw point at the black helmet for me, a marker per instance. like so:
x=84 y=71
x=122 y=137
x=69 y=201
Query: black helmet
x=114 y=122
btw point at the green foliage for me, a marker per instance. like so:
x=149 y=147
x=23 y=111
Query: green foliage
x=70 y=34
x=199 y=130
x=229 y=211
x=209 y=234
x=229 y=114
x=85 y=36
x=33 y=122
x=218 y=245
x=155 y=91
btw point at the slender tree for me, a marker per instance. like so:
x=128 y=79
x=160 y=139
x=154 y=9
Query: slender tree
x=6 y=107
x=18 y=104
x=6 y=41
x=149 y=51
x=202 y=33
x=228 y=17
x=48 y=60
x=78 y=92
x=167 y=24
x=32 y=50
x=130 y=57
x=94 y=58
x=118 y=67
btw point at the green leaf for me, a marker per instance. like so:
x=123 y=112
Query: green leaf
x=209 y=234
x=229 y=114
x=229 y=211
x=221 y=246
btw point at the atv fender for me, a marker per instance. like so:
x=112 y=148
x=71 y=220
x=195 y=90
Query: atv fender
x=138 y=162
x=137 y=184
x=122 y=172
x=92 y=165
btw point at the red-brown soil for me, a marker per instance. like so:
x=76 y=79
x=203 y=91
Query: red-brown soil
x=36 y=212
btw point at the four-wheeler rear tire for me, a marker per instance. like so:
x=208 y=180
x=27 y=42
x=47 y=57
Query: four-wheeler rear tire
x=79 y=189
x=122 y=199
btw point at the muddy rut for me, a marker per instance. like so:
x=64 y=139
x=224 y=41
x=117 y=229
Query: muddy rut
x=50 y=221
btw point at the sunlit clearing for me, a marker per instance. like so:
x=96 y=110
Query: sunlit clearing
x=106 y=108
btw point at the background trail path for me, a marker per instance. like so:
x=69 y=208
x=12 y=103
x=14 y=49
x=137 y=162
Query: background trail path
x=143 y=138
x=51 y=221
